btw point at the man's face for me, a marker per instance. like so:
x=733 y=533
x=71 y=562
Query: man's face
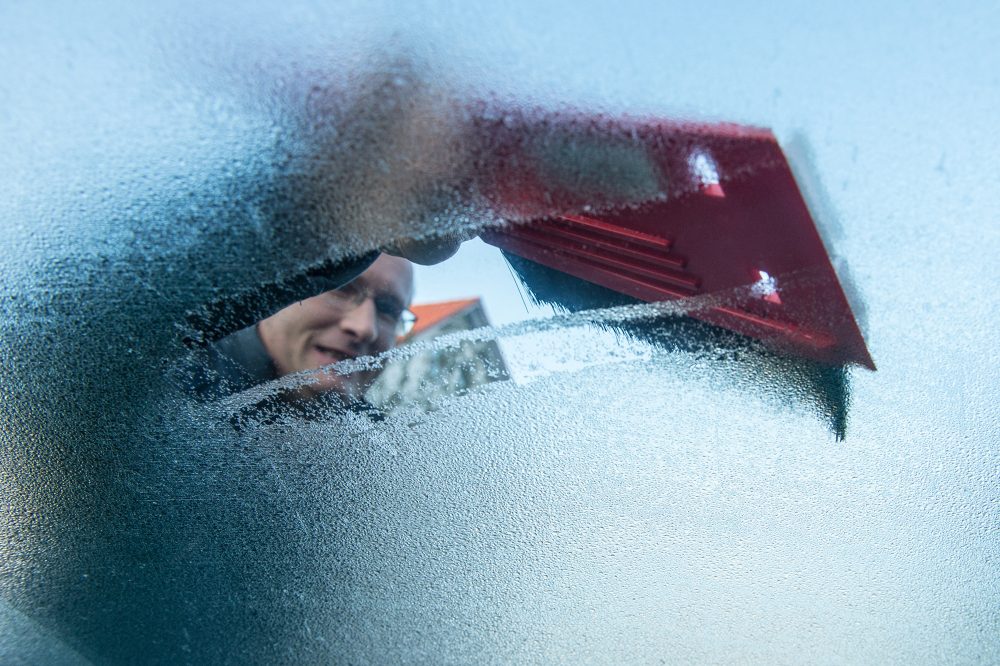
x=334 y=326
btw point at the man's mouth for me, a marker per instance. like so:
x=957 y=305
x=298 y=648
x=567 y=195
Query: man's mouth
x=331 y=355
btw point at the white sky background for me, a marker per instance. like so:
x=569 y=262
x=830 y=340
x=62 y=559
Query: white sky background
x=478 y=270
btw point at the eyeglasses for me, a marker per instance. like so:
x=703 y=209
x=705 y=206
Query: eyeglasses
x=390 y=312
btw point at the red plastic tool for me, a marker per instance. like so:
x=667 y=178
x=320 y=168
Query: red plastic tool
x=730 y=221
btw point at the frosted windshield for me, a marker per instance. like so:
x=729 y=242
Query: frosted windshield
x=554 y=478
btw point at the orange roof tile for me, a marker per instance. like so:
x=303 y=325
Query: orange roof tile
x=431 y=314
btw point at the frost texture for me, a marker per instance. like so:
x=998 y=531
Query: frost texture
x=625 y=499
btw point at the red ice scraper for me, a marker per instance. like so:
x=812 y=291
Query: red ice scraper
x=728 y=220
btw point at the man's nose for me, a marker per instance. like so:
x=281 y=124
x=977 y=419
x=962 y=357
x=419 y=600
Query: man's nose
x=361 y=322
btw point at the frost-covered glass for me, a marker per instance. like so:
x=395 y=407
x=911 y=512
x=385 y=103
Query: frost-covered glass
x=626 y=489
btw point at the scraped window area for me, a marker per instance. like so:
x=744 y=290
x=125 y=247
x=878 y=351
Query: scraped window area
x=453 y=334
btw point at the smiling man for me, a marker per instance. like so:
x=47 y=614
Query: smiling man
x=362 y=318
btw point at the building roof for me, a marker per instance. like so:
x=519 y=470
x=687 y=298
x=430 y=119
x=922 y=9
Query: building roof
x=430 y=315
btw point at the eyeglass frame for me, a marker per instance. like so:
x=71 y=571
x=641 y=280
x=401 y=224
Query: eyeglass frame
x=353 y=295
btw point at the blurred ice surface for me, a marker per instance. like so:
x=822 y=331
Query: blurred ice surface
x=659 y=507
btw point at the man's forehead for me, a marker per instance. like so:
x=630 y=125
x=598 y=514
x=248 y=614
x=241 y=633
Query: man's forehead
x=390 y=275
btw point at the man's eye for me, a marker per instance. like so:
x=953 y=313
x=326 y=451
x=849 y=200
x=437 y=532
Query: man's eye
x=389 y=308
